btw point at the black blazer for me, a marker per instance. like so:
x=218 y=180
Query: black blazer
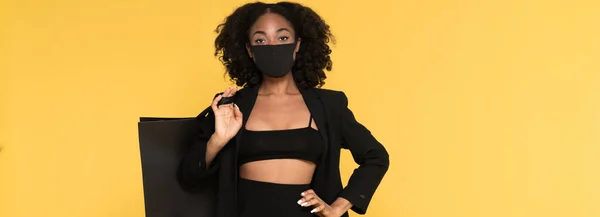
x=339 y=129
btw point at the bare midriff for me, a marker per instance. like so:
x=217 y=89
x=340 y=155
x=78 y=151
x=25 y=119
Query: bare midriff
x=280 y=171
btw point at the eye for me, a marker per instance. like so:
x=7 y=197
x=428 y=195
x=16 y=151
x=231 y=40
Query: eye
x=259 y=41
x=284 y=38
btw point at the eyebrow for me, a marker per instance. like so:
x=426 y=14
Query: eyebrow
x=264 y=33
x=283 y=29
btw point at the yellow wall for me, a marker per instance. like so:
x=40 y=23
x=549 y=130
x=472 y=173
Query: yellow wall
x=488 y=108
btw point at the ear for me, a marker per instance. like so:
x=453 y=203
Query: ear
x=248 y=50
x=298 y=42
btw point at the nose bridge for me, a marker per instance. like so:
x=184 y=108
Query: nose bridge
x=272 y=38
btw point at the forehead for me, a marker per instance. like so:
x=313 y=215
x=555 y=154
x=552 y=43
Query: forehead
x=270 y=21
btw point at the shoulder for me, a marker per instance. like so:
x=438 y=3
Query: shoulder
x=329 y=95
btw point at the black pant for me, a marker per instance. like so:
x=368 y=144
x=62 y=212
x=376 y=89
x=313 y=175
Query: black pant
x=263 y=199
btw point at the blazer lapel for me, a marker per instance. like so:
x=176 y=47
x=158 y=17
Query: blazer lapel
x=317 y=110
x=245 y=100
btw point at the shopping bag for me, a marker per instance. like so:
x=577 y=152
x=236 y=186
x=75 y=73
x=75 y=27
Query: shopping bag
x=163 y=142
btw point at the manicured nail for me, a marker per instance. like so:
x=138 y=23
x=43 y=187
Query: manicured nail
x=304 y=204
x=303 y=194
x=300 y=202
x=314 y=210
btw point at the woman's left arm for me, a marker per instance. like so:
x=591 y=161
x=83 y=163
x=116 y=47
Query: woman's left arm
x=373 y=160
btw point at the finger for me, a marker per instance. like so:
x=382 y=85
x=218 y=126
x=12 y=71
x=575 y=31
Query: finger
x=309 y=191
x=306 y=198
x=312 y=202
x=233 y=91
x=215 y=102
x=237 y=112
x=309 y=196
x=319 y=208
x=226 y=92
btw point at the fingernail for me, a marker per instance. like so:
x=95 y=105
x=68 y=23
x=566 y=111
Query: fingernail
x=300 y=202
x=314 y=210
x=302 y=193
x=304 y=204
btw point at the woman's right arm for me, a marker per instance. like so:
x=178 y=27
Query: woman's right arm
x=213 y=146
x=196 y=165
x=213 y=132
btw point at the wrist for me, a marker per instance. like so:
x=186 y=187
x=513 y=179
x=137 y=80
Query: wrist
x=338 y=210
x=341 y=206
x=216 y=142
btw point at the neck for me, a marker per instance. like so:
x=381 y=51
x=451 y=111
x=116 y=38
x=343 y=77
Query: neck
x=278 y=86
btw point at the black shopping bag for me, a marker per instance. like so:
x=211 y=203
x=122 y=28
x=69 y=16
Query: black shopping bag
x=163 y=142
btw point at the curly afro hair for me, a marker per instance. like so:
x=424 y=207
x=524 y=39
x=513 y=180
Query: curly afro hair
x=311 y=60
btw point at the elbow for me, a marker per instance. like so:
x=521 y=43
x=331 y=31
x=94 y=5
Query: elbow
x=183 y=178
x=194 y=177
x=381 y=160
x=378 y=158
x=384 y=157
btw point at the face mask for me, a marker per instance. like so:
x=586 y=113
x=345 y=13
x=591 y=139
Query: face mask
x=274 y=60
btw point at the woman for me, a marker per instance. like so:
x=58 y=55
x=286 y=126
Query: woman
x=276 y=150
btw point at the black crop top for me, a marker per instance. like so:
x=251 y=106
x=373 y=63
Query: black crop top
x=302 y=143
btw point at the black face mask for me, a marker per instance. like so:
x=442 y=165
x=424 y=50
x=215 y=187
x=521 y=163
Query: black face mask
x=274 y=60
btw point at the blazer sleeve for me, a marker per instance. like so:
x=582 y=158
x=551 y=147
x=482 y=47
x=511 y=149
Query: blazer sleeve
x=368 y=153
x=193 y=169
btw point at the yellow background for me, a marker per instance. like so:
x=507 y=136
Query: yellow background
x=488 y=108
